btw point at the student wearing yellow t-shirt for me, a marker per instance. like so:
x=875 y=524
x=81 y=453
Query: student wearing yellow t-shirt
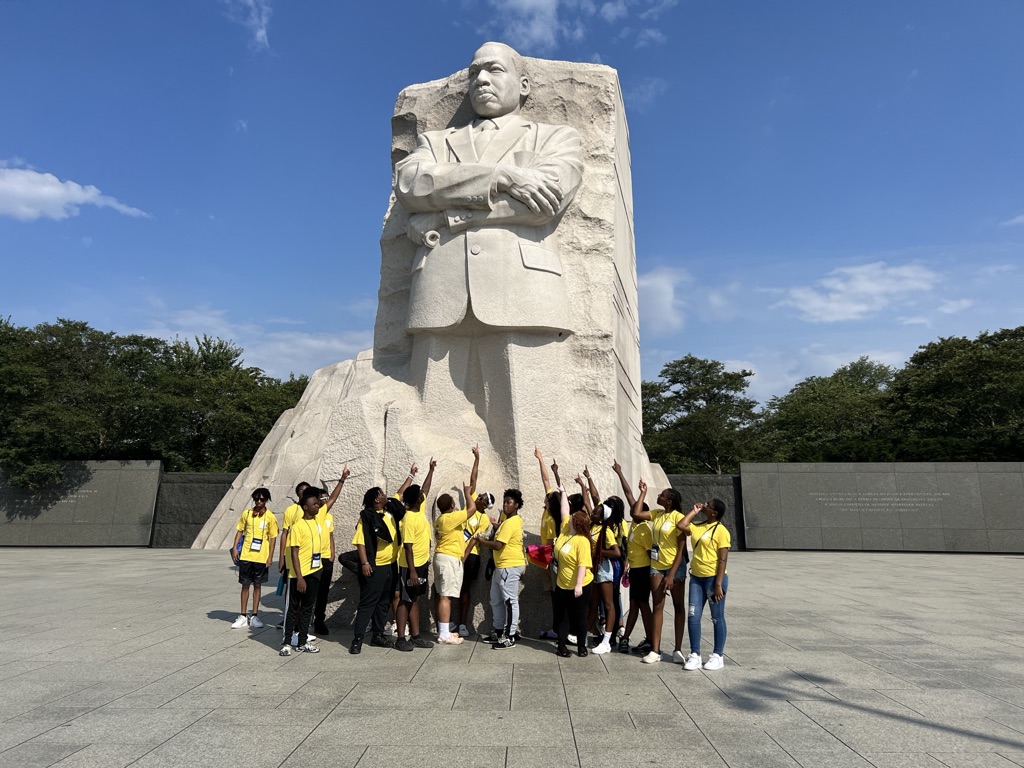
x=709 y=581
x=257 y=534
x=509 y=566
x=413 y=562
x=604 y=521
x=550 y=526
x=375 y=541
x=573 y=559
x=668 y=553
x=305 y=558
x=410 y=497
x=325 y=522
x=448 y=561
x=292 y=514
x=477 y=523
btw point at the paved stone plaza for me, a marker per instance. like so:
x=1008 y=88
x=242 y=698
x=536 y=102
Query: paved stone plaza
x=125 y=657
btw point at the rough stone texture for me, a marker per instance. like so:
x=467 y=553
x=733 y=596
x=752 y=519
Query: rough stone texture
x=940 y=507
x=585 y=386
x=818 y=673
x=184 y=503
x=100 y=503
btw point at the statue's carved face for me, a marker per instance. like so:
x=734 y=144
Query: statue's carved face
x=495 y=88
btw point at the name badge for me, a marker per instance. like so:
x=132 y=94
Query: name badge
x=566 y=548
x=316 y=560
x=256 y=545
x=263 y=524
x=654 y=553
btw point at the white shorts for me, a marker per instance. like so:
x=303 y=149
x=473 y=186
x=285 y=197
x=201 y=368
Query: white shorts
x=447 y=575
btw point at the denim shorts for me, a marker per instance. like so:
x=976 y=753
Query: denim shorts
x=604 y=571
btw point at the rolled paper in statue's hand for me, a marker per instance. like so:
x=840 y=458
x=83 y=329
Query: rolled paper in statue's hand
x=431 y=238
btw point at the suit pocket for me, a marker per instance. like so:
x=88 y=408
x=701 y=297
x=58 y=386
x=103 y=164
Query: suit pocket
x=535 y=257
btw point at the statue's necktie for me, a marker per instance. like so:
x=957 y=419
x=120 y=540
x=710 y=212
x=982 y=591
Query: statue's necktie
x=484 y=133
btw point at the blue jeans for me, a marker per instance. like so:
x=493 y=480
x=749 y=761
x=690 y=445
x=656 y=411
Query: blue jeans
x=701 y=589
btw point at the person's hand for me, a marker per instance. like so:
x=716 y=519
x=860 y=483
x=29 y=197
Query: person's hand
x=625 y=570
x=433 y=464
x=697 y=508
x=537 y=454
x=301 y=585
x=413 y=469
x=422 y=223
x=717 y=593
x=414 y=579
x=234 y=554
x=367 y=570
x=537 y=189
x=616 y=467
x=586 y=471
x=579 y=481
x=554 y=467
x=345 y=472
x=642 y=486
x=476 y=451
x=670 y=579
x=577 y=591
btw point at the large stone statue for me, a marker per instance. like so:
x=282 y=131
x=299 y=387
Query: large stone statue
x=507 y=309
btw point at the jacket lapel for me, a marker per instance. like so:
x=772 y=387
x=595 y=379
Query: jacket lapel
x=460 y=144
x=508 y=137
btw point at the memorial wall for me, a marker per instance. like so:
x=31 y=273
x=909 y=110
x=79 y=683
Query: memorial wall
x=923 y=507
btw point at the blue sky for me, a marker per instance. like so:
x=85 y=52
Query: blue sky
x=812 y=181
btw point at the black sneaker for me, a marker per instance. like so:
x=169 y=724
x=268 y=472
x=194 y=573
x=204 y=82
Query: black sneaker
x=404 y=645
x=357 y=645
x=623 y=646
x=321 y=629
x=505 y=642
x=491 y=638
x=381 y=641
x=644 y=648
x=420 y=642
x=563 y=651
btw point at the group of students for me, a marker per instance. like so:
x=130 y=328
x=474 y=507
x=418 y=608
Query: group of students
x=588 y=551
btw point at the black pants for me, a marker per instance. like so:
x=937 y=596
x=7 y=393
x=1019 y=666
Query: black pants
x=374 y=599
x=302 y=607
x=571 y=615
x=320 y=608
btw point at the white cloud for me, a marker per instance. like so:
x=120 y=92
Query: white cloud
x=529 y=24
x=854 y=293
x=612 y=11
x=278 y=352
x=650 y=36
x=662 y=304
x=642 y=95
x=657 y=7
x=1016 y=221
x=254 y=15
x=27 y=195
x=957 y=305
x=241 y=126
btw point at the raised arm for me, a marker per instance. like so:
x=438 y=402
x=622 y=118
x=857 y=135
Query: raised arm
x=337 y=489
x=684 y=524
x=545 y=480
x=473 y=474
x=588 y=504
x=591 y=486
x=554 y=470
x=626 y=490
x=408 y=480
x=637 y=512
x=425 y=488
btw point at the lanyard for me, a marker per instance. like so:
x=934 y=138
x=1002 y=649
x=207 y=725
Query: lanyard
x=317 y=552
x=252 y=523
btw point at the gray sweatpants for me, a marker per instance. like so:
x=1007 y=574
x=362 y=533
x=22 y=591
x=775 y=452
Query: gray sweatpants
x=505 y=599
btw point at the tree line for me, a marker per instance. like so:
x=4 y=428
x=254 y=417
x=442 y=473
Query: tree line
x=71 y=392
x=956 y=399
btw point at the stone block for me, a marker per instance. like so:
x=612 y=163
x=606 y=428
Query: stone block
x=801 y=538
x=842 y=538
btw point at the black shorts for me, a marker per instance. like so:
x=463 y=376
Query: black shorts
x=471 y=568
x=409 y=594
x=252 y=573
x=640 y=584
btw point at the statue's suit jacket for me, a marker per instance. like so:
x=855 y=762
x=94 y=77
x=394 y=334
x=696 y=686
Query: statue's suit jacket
x=494 y=252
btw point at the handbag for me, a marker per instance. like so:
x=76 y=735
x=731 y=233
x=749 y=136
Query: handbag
x=350 y=561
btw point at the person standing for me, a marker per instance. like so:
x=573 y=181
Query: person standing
x=448 y=561
x=477 y=522
x=509 y=565
x=572 y=555
x=305 y=554
x=325 y=522
x=709 y=581
x=374 y=540
x=257 y=534
x=413 y=561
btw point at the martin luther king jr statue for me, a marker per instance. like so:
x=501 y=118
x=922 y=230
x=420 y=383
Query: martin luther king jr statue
x=507 y=306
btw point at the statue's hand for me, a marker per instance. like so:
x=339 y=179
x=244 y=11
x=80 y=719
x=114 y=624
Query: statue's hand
x=421 y=224
x=537 y=189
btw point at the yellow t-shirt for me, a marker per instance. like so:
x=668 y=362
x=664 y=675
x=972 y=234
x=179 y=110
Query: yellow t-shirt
x=548 y=534
x=707 y=539
x=476 y=523
x=262 y=529
x=326 y=523
x=448 y=528
x=609 y=536
x=666 y=536
x=305 y=534
x=638 y=548
x=387 y=552
x=566 y=526
x=292 y=513
x=572 y=552
x=510 y=532
x=416 y=531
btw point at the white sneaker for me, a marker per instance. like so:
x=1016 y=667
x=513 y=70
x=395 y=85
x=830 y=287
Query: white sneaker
x=255 y=623
x=678 y=658
x=450 y=640
x=693 y=662
x=389 y=628
x=295 y=639
x=285 y=651
x=602 y=647
x=241 y=621
x=651 y=658
x=714 y=662
x=571 y=639
x=463 y=630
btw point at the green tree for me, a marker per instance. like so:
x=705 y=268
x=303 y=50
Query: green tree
x=960 y=399
x=842 y=417
x=697 y=418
